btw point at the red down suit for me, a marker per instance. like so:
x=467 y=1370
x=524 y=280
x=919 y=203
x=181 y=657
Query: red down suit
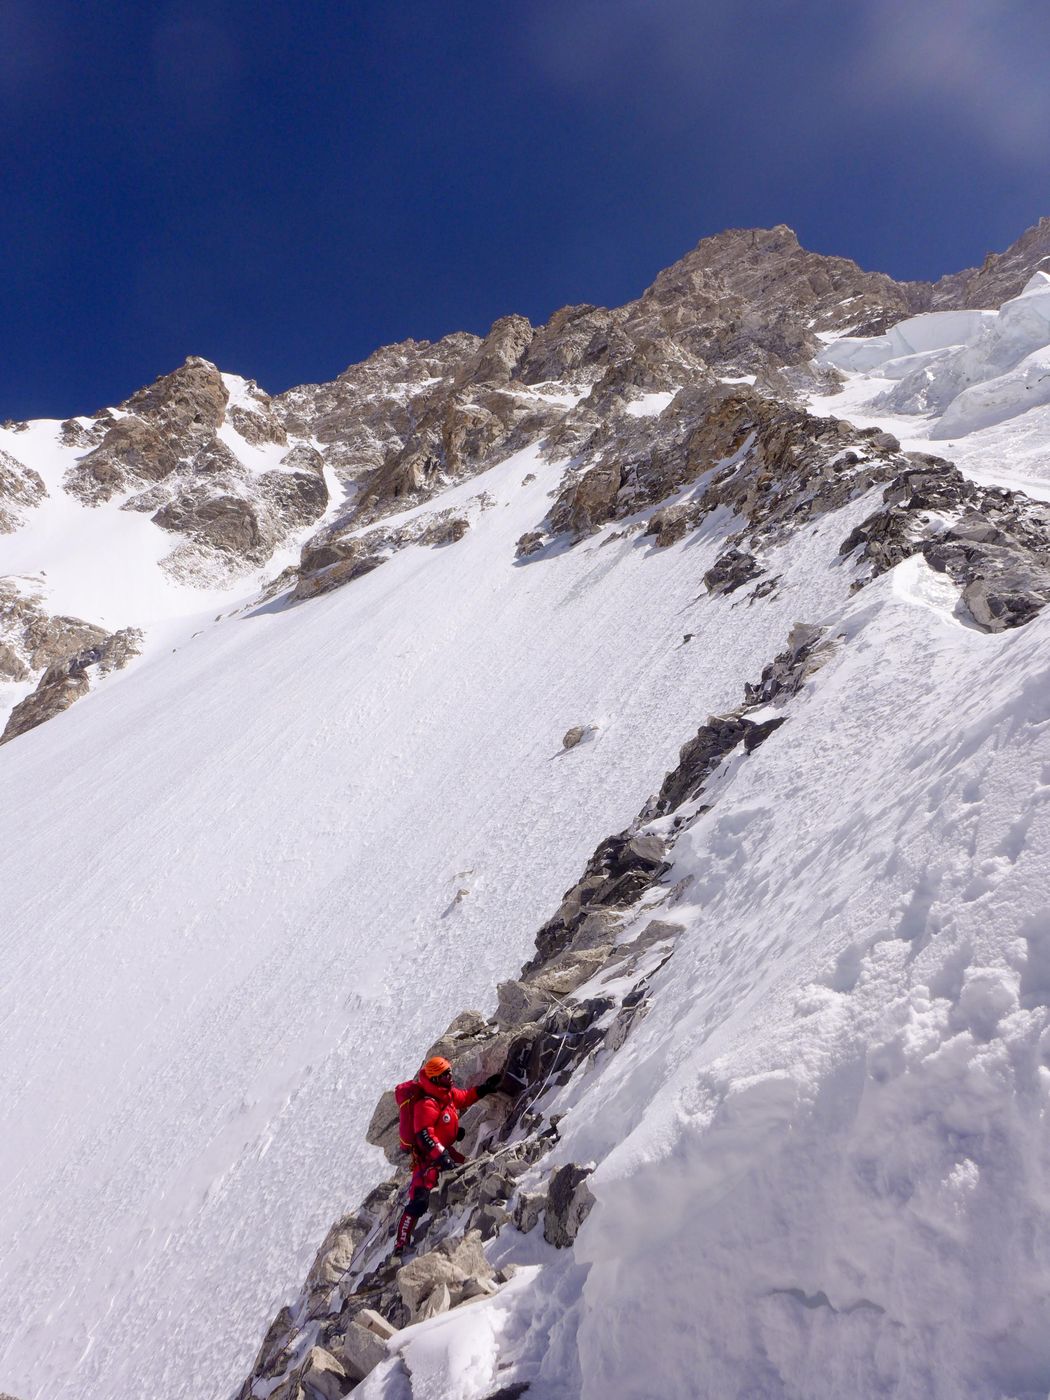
x=435 y=1118
x=435 y=1125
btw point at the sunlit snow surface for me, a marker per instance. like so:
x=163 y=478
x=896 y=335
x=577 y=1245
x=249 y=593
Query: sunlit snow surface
x=228 y=875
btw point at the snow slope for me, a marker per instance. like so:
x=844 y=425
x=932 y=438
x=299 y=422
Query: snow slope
x=822 y=1159
x=235 y=927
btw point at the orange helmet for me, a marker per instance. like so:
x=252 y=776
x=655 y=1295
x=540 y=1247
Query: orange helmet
x=436 y=1066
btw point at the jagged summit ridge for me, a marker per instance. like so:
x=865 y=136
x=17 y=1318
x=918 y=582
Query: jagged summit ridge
x=234 y=478
x=1001 y=275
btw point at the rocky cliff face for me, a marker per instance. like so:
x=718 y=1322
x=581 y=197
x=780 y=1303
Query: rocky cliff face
x=1000 y=277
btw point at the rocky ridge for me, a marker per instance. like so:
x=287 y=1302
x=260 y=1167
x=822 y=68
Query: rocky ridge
x=397 y=431
x=726 y=336
x=231 y=472
x=1000 y=277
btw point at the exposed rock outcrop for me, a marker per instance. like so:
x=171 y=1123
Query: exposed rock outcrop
x=369 y=410
x=64 y=653
x=994 y=544
x=731 y=570
x=336 y=555
x=161 y=426
x=32 y=638
x=68 y=680
x=749 y=296
x=255 y=418
x=21 y=489
x=569 y=1202
x=131 y=452
x=191 y=398
x=224 y=520
x=168 y=451
x=773 y=465
x=578 y=734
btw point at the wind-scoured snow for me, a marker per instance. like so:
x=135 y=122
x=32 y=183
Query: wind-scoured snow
x=650 y=405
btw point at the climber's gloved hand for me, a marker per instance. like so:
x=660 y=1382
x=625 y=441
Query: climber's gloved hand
x=457 y=1157
x=490 y=1085
x=446 y=1162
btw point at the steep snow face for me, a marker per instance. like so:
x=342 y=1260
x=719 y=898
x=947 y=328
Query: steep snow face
x=823 y=1163
x=231 y=910
x=250 y=879
x=821 y=1159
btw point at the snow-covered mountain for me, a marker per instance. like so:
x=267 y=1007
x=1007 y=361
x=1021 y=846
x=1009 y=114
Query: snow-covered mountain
x=670 y=608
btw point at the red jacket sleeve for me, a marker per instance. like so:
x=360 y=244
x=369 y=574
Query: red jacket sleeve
x=463 y=1098
x=424 y=1115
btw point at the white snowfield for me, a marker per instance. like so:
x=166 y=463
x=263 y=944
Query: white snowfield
x=230 y=921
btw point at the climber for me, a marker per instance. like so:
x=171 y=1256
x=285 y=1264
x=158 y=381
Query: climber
x=430 y=1108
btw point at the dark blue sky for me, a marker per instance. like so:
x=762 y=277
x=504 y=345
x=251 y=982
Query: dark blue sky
x=283 y=188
